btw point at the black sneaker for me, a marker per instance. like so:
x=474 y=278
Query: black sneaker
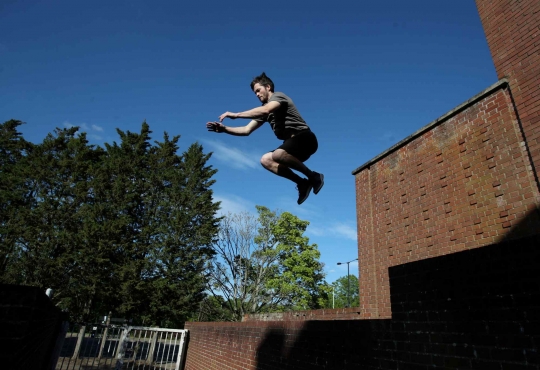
x=317 y=181
x=303 y=190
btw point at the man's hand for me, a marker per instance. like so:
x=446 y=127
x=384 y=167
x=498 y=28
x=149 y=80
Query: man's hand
x=228 y=114
x=215 y=127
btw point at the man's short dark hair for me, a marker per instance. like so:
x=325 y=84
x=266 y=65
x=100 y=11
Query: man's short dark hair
x=264 y=80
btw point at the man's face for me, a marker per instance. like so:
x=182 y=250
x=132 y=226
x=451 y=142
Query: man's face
x=262 y=92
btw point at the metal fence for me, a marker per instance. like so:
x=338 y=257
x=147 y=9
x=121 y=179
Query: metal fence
x=91 y=347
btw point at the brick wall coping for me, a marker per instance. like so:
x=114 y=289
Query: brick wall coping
x=241 y=325
x=498 y=85
x=265 y=319
x=352 y=313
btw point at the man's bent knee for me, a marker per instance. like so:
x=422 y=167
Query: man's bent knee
x=266 y=160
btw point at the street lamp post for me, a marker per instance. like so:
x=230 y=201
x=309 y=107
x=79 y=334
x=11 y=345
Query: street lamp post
x=333 y=295
x=348 y=281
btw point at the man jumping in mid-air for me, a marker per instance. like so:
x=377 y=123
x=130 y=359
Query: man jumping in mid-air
x=299 y=143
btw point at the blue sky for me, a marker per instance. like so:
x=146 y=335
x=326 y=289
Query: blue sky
x=363 y=74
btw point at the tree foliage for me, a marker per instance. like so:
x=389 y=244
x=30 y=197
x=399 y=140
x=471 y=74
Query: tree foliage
x=342 y=290
x=13 y=192
x=126 y=228
x=264 y=263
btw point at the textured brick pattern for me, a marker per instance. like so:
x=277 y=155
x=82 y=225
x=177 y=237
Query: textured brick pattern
x=472 y=310
x=222 y=346
x=478 y=309
x=352 y=313
x=512 y=29
x=462 y=183
x=366 y=254
x=29 y=325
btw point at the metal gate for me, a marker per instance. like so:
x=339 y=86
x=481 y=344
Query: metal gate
x=113 y=347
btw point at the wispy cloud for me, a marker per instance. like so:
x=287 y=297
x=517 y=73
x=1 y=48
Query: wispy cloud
x=315 y=231
x=83 y=127
x=345 y=231
x=232 y=156
x=233 y=204
x=336 y=229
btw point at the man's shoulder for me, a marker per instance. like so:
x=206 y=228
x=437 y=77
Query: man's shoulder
x=279 y=96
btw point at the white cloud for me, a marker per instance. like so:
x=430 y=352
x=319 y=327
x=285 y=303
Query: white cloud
x=345 y=231
x=337 y=229
x=231 y=156
x=315 y=231
x=233 y=204
x=82 y=126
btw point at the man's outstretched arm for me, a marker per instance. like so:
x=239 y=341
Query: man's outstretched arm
x=236 y=131
x=252 y=113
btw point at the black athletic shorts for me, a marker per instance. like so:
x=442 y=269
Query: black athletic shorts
x=302 y=145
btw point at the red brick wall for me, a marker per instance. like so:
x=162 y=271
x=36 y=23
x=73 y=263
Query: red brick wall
x=477 y=309
x=352 y=313
x=512 y=29
x=368 y=264
x=222 y=346
x=214 y=346
x=461 y=182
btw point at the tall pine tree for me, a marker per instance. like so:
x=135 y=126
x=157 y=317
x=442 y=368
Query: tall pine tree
x=126 y=228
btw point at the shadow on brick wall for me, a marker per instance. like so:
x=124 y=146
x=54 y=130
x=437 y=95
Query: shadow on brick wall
x=477 y=309
x=29 y=326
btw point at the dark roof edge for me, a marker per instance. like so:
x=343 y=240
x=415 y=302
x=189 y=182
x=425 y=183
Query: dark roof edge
x=499 y=84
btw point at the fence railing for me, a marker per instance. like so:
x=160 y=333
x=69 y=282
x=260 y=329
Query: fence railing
x=89 y=347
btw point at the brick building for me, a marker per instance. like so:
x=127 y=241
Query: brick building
x=466 y=180
x=448 y=241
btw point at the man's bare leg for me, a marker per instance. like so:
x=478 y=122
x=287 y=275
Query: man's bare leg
x=282 y=157
x=280 y=162
x=280 y=169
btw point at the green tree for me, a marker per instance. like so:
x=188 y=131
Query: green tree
x=163 y=205
x=300 y=276
x=266 y=264
x=213 y=308
x=126 y=228
x=186 y=226
x=339 y=295
x=53 y=248
x=13 y=194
